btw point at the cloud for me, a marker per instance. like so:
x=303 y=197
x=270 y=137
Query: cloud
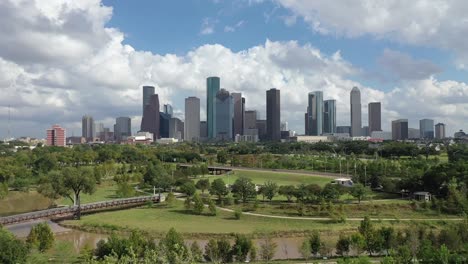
x=105 y=80
x=404 y=67
x=208 y=26
x=234 y=27
x=440 y=24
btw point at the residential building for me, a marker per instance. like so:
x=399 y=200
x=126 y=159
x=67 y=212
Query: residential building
x=374 y=117
x=273 y=111
x=440 y=130
x=56 y=136
x=356 y=117
x=150 y=120
x=329 y=116
x=426 y=128
x=400 y=129
x=192 y=119
x=212 y=88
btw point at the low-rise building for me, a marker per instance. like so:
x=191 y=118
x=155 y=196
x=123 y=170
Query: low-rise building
x=311 y=139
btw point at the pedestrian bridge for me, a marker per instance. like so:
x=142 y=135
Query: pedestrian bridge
x=71 y=211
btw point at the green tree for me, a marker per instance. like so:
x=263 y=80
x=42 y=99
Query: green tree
x=241 y=248
x=343 y=245
x=197 y=253
x=212 y=207
x=267 y=248
x=402 y=255
x=315 y=243
x=269 y=189
x=359 y=191
x=288 y=191
x=330 y=192
x=188 y=188
x=12 y=250
x=170 y=199
x=41 y=237
x=203 y=184
x=174 y=247
x=198 y=204
x=212 y=252
x=222 y=157
x=218 y=188
x=305 y=249
x=244 y=189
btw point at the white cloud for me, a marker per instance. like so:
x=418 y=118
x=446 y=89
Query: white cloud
x=104 y=79
x=433 y=23
x=208 y=26
x=234 y=27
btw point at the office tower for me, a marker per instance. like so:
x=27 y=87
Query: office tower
x=150 y=120
x=413 y=133
x=426 y=128
x=56 y=136
x=212 y=88
x=238 y=113
x=375 y=117
x=148 y=91
x=356 y=119
x=440 y=130
x=176 y=128
x=315 y=113
x=343 y=130
x=87 y=128
x=192 y=119
x=203 y=130
x=284 y=126
x=224 y=115
x=273 y=111
x=99 y=129
x=122 y=128
x=164 y=125
x=400 y=129
x=168 y=109
x=243 y=114
x=262 y=129
x=329 y=116
x=250 y=119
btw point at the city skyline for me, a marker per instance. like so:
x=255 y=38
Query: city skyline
x=101 y=73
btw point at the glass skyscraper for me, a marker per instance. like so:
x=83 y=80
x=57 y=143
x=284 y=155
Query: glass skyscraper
x=273 y=111
x=356 y=117
x=224 y=115
x=212 y=88
x=426 y=128
x=315 y=113
x=148 y=91
x=329 y=116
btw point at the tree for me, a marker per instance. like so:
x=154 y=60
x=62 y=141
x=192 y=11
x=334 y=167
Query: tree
x=41 y=236
x=188 y=188
x=218 y=188
x=342 y=245
x=212 y=207
x=305 y=249
x=12 y=250
x=242 y=246
x=174 y=247
x=359 y=191
x=330 y=192
x=170 y=199
x=197 y=253
x=203 y=184
x=358 y=242
x=198 y=204
x=211 y=251
x=222 y=157
x=269 y=190
x=402 y=255
x=267 y=249
x=244 y=189
x=315 y=243
x=288 y=191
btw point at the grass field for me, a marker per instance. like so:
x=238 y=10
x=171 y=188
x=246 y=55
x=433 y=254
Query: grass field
x=280 y=178
x=21 y=202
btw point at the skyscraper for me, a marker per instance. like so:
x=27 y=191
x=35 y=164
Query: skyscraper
x=329 y=116
x=440 y=130
x=164 y=120
x=212 y=88
x=356 y=118
x=315 y=113
x=250 y=119
x=122 y=128
x=168 y=109
x=224 y=115
x=238 y=113
x=273 y=111
x=148 y=91
x=56 y=136
x=192 y=119
x=87 y=128
x=426 y=128
x=176 y=128
x=150 y=120
x=400 y=129
x=375 y=117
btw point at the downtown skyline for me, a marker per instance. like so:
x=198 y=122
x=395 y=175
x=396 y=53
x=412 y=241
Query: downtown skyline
x=87 y=75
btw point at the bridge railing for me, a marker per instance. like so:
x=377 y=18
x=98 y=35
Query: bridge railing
x=49 y=213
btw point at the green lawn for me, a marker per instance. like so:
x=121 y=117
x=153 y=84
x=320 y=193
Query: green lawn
x=21 y=202
x=280 y=178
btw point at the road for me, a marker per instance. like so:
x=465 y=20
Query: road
x=23 y=229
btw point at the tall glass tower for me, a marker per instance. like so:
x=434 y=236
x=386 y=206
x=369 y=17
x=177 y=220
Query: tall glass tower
x=315 y=113
x=356 y=118
x=212 y=88
x=329 y=116
x=148 y=91
x=224 y=115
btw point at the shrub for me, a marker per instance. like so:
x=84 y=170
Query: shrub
x=237 y=214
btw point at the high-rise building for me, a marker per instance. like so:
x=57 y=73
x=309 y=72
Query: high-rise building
x=426 y=128
x=168 y=110
x=440 y=130
x=150 y=120
x=122 y=128
x=148 y=91
x=306 y=122
x=262 y=129
x=356 y=118
x=224 y=115
x=400 y=129
x=212 y=88
x=164 y=125
x=250 y=119
x=238 y=113
x=284 y=126
x=315 y=113
x=273 y=111
x=329 y=117
x=176 y=128
x=203 y=130
x=87 y=128
x=243 y=114
x=375 y=117
x=413 y=133
x=343 y=130
x=56 y=136
x=99 y=129
x=192 y=119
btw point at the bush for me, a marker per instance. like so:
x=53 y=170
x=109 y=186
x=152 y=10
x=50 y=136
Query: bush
x=237 y=214
x=212 y=207
x=41 y=236
x=170 y=199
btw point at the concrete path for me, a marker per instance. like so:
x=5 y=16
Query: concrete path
x=23 y=229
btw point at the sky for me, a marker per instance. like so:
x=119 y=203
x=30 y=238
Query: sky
x=60 y=59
